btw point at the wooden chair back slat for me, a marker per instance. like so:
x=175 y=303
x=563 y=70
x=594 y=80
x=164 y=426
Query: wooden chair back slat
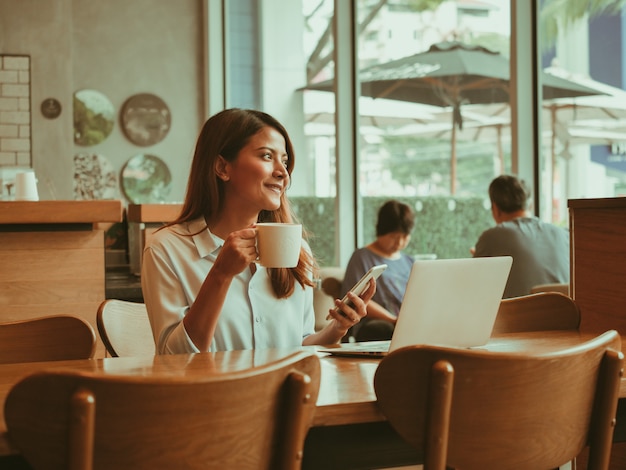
x=555 y=287
x=507 y=410
x=51 y=338
x=251 y=419
x=537 y=312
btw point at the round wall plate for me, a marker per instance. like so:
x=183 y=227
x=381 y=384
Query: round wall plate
x=94 y=177
x=94 y=117
x=146 y=179
x=145 y=119
x=51 y=108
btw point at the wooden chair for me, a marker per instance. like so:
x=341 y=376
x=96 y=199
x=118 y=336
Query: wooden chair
x=537 y=312
x=51 y=338
x=125 y=328
x=329 y=289
x=562 y=288
x=475 y=409
x=253 y=419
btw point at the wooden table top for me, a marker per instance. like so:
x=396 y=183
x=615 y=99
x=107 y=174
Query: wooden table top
x=346 y=390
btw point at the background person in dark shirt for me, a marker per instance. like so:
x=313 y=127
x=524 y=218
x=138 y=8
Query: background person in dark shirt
x=393 y=233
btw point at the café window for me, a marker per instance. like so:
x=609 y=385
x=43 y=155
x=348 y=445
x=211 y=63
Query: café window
x=583 y=138
x=435 y=146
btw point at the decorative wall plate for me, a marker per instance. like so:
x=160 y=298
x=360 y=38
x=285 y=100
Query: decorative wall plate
x=146 y=179
x=94 y=177
x=94 y=117
x=145 y=119
x=51 y=108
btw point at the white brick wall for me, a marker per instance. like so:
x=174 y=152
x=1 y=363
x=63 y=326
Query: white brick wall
x=15 y=119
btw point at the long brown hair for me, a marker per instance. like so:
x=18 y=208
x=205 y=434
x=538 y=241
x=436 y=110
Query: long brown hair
x=225 y=134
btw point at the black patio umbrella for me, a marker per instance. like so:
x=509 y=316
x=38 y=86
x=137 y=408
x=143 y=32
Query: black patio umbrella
x=451 y=74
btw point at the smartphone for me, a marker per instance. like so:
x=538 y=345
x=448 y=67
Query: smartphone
x=361 y=285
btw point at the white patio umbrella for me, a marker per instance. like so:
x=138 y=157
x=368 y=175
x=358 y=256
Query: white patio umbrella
x=450 y=75
x=584 y=120
x=590 y=120
x=479 y=124
x=319 y=107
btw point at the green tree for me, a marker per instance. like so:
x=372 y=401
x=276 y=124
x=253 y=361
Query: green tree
x=557 y=14
x=322 y=54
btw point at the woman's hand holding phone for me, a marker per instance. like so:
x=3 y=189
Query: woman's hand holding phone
x=358 y=289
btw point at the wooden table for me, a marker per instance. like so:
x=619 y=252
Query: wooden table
x=348 y=429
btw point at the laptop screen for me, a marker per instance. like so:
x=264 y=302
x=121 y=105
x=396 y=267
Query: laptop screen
x=451 y=302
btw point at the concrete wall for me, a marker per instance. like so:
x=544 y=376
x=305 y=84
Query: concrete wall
x=119 y=48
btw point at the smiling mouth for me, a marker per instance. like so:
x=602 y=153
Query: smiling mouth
x=275 y=187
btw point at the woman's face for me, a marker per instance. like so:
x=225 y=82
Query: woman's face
x=258 y=176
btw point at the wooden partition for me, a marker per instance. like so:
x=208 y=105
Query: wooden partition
x=598 y=282
x=52 y=258
x=598 y=262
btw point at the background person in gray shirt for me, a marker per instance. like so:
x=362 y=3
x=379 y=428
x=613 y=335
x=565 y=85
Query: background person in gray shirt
x=540 y=250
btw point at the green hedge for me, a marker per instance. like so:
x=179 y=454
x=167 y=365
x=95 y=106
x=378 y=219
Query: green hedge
x=445 y=226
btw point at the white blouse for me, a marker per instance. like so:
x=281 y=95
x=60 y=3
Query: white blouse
x=175 y=264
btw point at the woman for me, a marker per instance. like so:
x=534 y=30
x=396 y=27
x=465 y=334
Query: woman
x=393 y=233
x=201 y=286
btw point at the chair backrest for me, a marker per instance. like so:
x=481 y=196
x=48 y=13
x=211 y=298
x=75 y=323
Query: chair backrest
x=475 y=409
x=329 y=289
x=125 y=328
x=50 y=338
x=562 y=288
x=252 y=419
x=537 y=312
x=332 y=279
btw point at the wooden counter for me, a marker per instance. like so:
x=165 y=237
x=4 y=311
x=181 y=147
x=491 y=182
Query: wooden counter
x=143 y=221
x=59 y=212
x=52 y=258
x=598 y=262
x=153 y=213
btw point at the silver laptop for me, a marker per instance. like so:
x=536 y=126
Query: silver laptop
x=447 y=302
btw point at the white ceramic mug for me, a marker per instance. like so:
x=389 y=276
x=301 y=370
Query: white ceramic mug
x=26 y=186
x=279 y=244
